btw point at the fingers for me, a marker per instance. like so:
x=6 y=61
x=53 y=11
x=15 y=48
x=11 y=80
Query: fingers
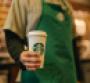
x=27 y=56
x=31 y=60
x=32 y=66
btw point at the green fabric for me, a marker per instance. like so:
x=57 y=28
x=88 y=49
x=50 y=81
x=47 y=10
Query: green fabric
x=59 y=63
x=29 y=77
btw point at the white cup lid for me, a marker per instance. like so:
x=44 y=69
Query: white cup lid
x=37 y=32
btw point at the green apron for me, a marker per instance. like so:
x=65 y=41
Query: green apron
x=59 y=62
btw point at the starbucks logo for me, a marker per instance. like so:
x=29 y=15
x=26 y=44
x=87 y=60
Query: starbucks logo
x=38 y=47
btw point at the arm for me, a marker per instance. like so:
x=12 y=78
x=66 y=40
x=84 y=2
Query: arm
x=14 y=29
x=16 y=21
x=15 y=45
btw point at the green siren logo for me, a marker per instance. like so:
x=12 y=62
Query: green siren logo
x=38 y=47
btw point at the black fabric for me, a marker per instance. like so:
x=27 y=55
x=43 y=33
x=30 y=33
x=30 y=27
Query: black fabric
x=15 y=46
x=79 y=71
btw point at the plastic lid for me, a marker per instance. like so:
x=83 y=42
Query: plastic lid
x=37 y=32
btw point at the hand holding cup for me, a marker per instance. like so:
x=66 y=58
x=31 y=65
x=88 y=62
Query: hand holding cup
x=37 y=43
x=31 y=60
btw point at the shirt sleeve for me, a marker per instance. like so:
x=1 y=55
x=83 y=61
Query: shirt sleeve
x=16 y=19
x=34 y=14
x=23 y=16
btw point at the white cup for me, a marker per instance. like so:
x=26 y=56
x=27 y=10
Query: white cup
x=37 y=43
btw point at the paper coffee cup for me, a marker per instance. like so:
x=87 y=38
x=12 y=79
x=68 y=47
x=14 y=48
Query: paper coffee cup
x=37 y=43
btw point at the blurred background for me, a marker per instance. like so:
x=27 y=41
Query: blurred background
x=81 y=14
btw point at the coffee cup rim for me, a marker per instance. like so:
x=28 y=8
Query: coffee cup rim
x=37 y=32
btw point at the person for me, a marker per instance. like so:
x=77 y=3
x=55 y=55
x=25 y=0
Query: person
x=54 y=17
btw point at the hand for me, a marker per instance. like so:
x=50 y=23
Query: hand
x=30 y=59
